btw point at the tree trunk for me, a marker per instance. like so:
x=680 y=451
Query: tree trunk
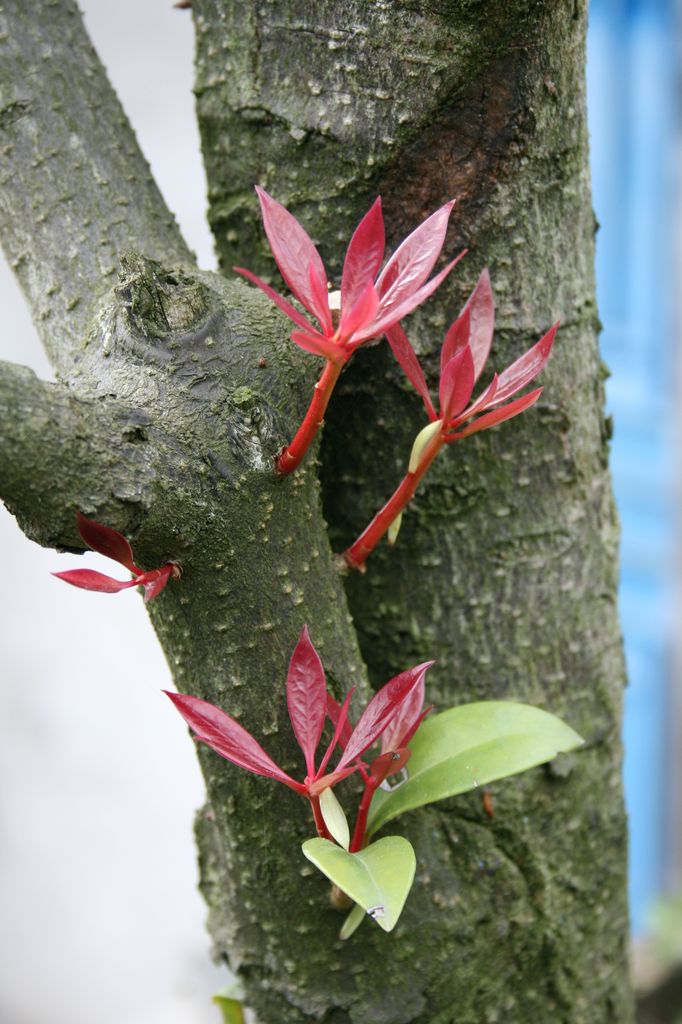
x=505 y=567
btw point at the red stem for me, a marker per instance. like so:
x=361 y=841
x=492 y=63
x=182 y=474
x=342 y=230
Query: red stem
x=291 y=456
x=322 y=829
x=358 y=840
x=357 y=553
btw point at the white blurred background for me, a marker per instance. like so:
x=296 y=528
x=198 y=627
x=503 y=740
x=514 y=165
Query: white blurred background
x=100 y=917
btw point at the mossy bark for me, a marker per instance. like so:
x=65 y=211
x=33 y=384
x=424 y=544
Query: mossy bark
x=505 y=567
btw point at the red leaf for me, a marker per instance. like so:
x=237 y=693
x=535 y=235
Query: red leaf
x=342 y=729
x=317 y=344
x=327 y=781
x=456 y=384
x=363 y=256
x=415 y=725
x=490 y=419
x=285 y=306
x=526 y=367
x=306 y=698
x=155 y=580
x=320 y=295
x=456 y=338
x=88 y=579
x=361 y=314
x=481 y=308
x=389 y=763
x=474 y=327
x=107 y=542
x=405 y=354
x=414 y=259
x=335 y=712
x=229 y=739
x=384 y=705
x=389 y=315
x=410 y=712
x=292 y=249
x=484 y=401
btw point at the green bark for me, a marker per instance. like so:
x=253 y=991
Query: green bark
x=505 y=567
x=504 y=570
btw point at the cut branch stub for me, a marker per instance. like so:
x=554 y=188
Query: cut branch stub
x=182 y=384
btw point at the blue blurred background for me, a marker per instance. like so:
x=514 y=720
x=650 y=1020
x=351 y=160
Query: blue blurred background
x=633 y=54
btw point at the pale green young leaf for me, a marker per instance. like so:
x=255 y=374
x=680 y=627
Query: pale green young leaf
x=334 y=817
x=469 y=746
x=394 y=529
x=352 y=922
x=420 y=443
x=378 y=878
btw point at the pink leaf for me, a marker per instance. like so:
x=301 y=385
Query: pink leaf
x=410 y=712
x=154 y=581
x=384 y=705
x=229 y=739
x=361 y=314
x=292 y=248
x=279 y=301
x=456 y=384
x=526 y=367
x=306 y=698
x=490 y=419
x=481 y=308
x=106 y=541
x=389 y=316
x=88 y=579
x=342 y=727
x=414 y=259
x=317 y=344
x=320 y=295
x=405 y=354
x=363 y=256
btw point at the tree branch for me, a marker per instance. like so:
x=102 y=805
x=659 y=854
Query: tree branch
x=61 y=452
x=174 y=396
x=76 y=190
x=221 y=387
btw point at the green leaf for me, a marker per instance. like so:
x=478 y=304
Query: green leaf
x=378 y=877
x=469 y=746
x=334 y=817
x=231 y=1008
x=352 y=922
